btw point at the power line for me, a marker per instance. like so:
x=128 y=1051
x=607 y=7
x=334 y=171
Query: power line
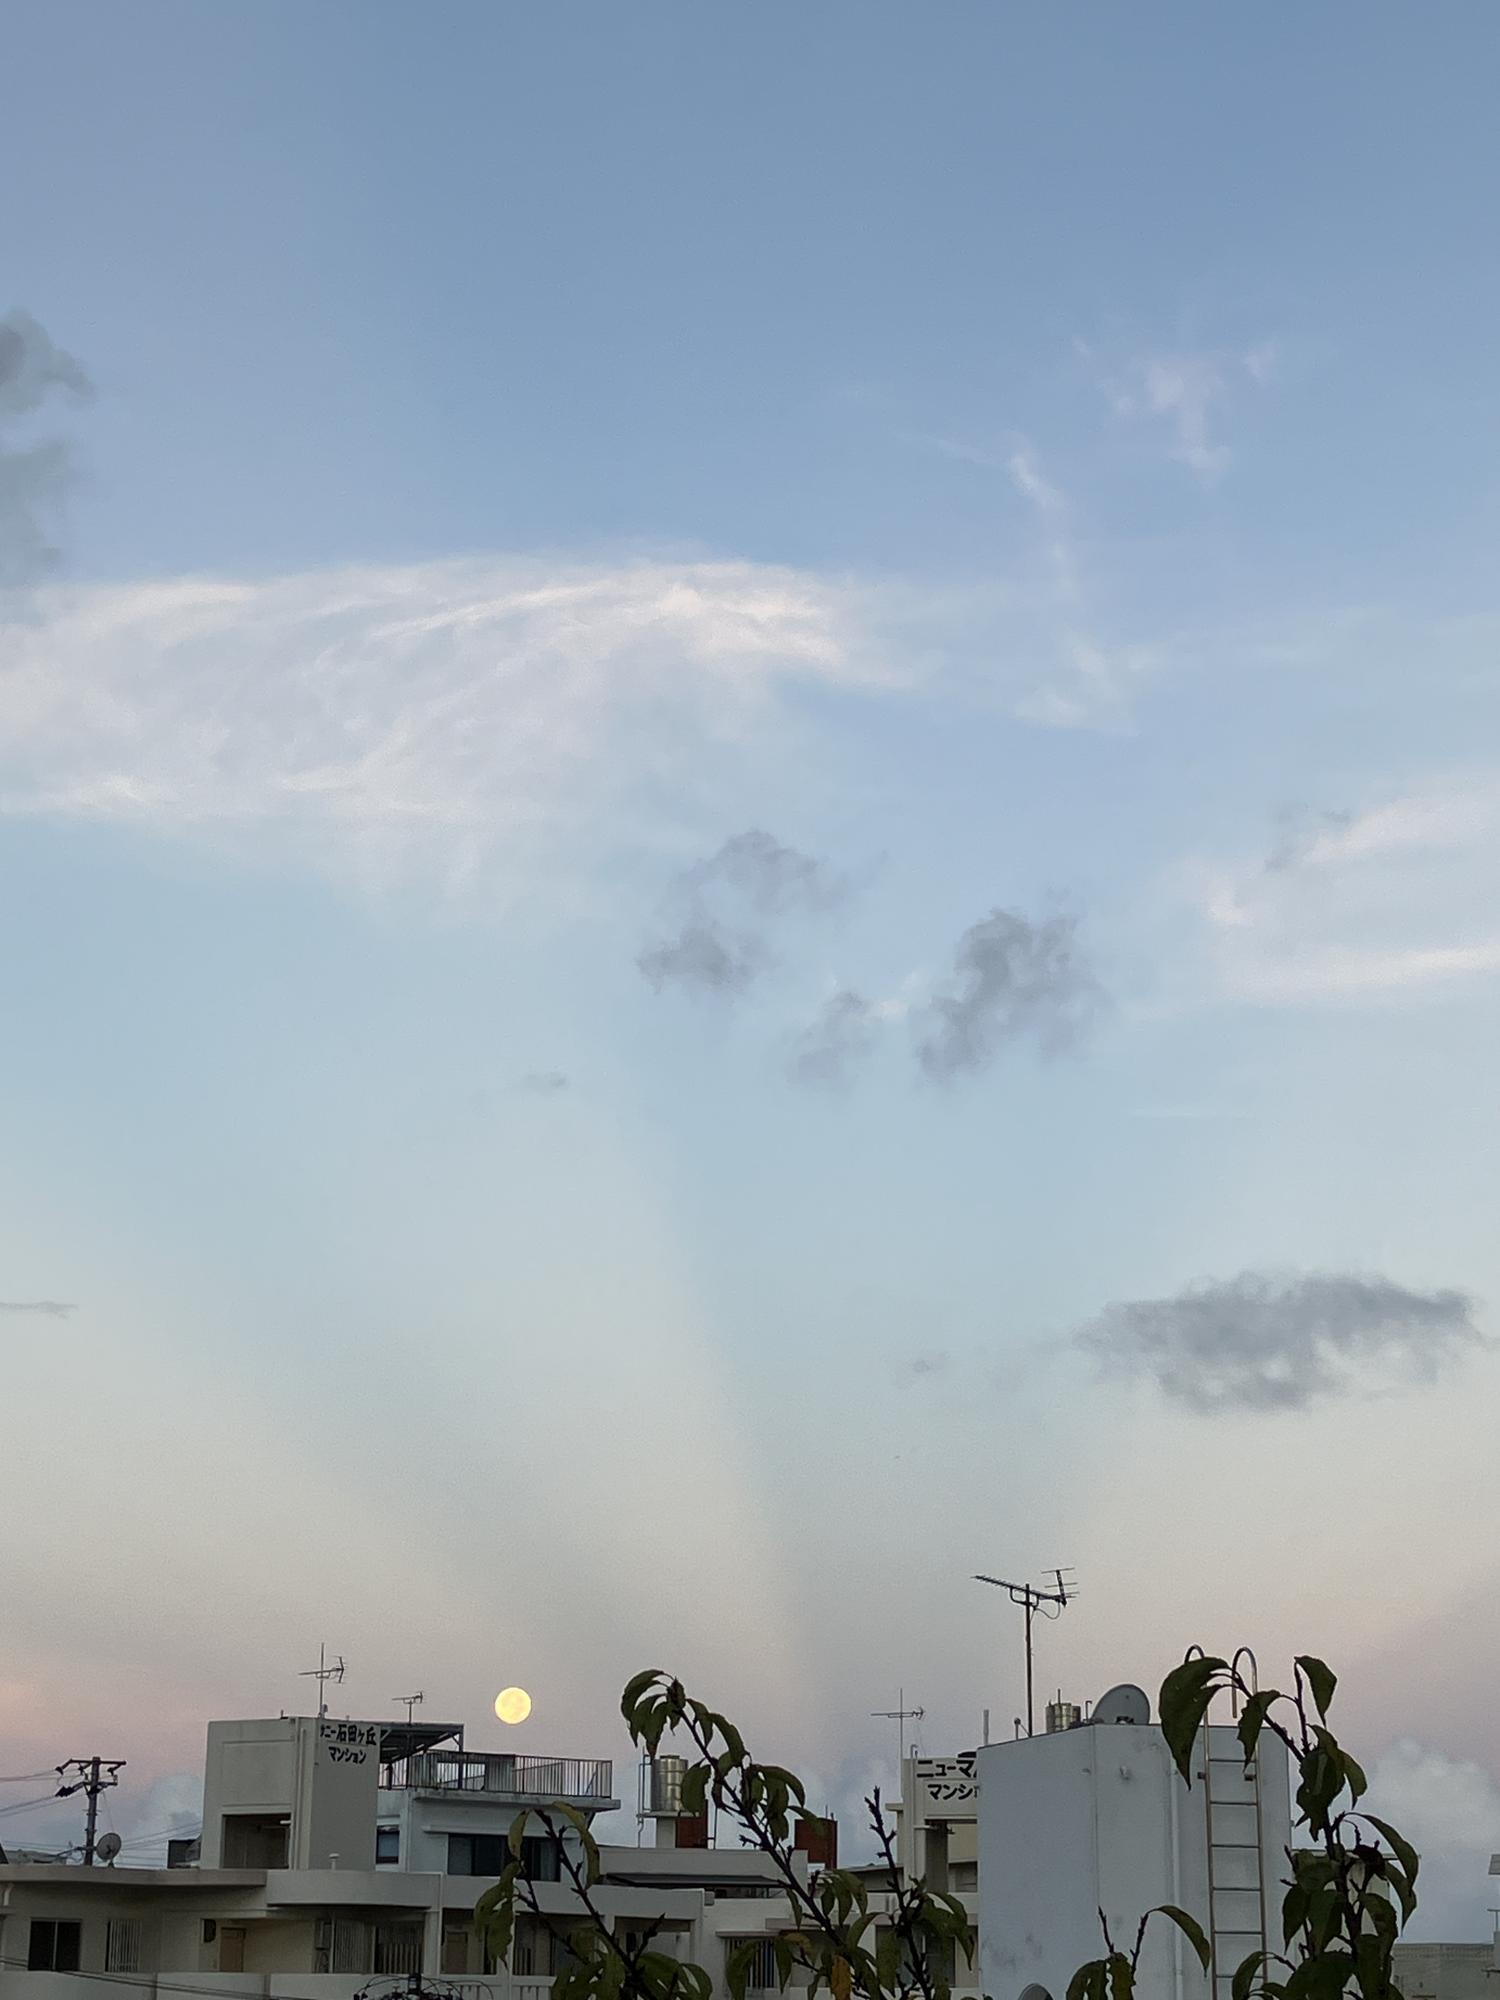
x=30 y=1777
x=25 y=1805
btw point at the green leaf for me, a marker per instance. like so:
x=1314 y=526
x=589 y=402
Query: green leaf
x=1182 y=1704
x=1091 y=1981
x=635 y=1687
x=1243 y=1983
x=1121 y=1976
x=1402 y=1848
x=1253 y=1721
x=517 y=1832
x=1354 y=1777
x=1191 y=1929
x=1322 y=1680
x=888 y=1960
x=695 y=1790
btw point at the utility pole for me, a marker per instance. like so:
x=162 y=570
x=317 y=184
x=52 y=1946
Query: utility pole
x=95 y=1775
x=1034 y=1598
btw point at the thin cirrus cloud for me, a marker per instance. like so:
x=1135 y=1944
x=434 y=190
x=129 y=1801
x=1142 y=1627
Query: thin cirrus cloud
x=1183 y=394
x=44 y=1308
x=449 y=721
x=1357 y=905
x=1263 y=1342
x=35 y=374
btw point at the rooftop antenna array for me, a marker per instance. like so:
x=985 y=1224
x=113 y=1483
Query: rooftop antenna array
x=900 y=1715
x=410 y=1702
x=1034 y=1598
x=323 y=1673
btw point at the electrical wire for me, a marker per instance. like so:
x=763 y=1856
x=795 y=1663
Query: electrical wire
x=29 y=1777
x=25 y=1805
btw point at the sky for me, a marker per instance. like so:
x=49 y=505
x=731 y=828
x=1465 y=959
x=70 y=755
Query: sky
x=749 y=845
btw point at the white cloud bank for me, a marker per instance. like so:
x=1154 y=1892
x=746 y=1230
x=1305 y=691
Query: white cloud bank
x=1449 y=1809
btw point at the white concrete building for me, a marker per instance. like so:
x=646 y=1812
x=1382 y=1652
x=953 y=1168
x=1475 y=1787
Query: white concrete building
x=337 y=1853
x=1096 y=1817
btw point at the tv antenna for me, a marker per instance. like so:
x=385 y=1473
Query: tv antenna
x=409 y=1702
x=900 y=1715
x=1033 y=1598
x=323 y=1673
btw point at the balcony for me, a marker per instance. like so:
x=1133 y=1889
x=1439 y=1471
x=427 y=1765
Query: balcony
x=581 y=1781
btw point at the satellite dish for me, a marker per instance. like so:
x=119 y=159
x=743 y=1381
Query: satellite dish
x=1123 y=1704
x=109 y=1846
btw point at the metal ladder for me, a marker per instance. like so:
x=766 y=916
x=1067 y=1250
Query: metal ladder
x=1231 y=1943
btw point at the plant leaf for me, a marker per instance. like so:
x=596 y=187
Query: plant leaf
x=1322 y=1680
x=1191 y=1929
x=1182 y=1705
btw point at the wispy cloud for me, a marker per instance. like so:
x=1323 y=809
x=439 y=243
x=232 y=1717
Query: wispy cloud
x=1183 y=392
x=1388 y=900
x=458 y=722
x=33 y=475
x=544 y=1082
x=719 y=915
x=1013 y=979
x=47 y=1308
x=1263 y=1341
x=1084 y=680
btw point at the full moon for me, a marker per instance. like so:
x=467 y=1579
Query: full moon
x=513 y=1704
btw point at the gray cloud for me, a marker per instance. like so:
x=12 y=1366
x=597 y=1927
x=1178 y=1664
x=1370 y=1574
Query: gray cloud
x=48 y=1308
x=1300 y=834
x=835 y=1043
x=1266 y=1342
x=721 y=909
x=933 y=1363
x=1012 y=978
x=33 y=476
x=544 y=1082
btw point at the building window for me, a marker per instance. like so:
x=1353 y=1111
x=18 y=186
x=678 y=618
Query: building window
x=762 y=1976
x=122 y=1944
x=488 y=1853
x=53 y=1947
x=456 y=1948
x=387 y=1844
x=398 y=1948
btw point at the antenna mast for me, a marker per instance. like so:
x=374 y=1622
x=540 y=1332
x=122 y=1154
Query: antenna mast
x=900 y=1715
x=410 y=1702
x=1034 y=1598
x=323 y=1673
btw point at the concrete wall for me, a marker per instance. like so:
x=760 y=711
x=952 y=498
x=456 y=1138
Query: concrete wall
x=321 y=1772
x=1449 y=1971
x=1097 y=1819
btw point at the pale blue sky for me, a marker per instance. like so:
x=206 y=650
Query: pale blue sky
x=1037 y=460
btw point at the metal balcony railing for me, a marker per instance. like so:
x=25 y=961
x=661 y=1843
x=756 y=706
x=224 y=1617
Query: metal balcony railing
x=503 y=1776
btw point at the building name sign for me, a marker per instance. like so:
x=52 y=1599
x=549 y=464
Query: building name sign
x=348 y=1742
x=949 y=1784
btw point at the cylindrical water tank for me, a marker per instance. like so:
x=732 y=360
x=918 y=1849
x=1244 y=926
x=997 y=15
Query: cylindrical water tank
x=1062 y=1715
x=667 y=1774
